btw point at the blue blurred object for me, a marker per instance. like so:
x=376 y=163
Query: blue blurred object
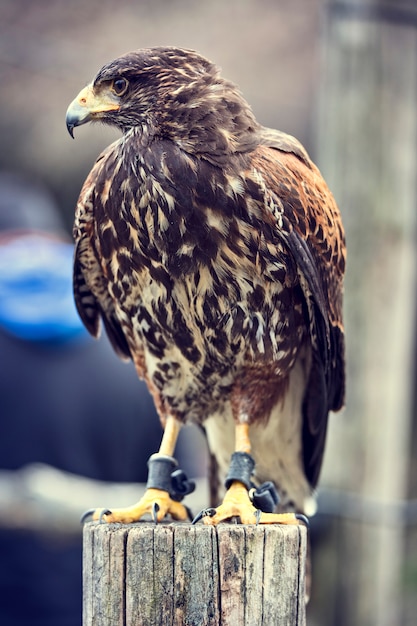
x=36 y=299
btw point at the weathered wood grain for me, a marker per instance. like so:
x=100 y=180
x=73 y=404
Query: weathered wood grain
x=182 y=575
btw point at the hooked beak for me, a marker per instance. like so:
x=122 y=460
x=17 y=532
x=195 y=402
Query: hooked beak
x=88 y=106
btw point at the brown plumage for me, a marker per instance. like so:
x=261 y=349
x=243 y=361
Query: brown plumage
x=213 y=251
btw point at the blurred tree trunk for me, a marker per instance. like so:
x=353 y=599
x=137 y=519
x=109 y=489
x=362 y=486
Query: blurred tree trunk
x=368 y=154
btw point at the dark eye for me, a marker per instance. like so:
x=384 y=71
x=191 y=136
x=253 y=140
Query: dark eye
x=120 y=86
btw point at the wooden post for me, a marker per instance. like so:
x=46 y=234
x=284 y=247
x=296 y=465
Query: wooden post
x=181 y=575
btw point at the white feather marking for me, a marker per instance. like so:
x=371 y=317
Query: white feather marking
x=215 y=220
x=260 y=334
x=236 y=185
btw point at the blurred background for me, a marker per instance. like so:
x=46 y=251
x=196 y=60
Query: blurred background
x=341 y=76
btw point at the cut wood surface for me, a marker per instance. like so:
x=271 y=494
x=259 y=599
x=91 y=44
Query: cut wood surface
x=177 y=574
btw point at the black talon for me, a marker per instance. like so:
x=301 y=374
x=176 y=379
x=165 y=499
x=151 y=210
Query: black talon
x=102 y=514
x=303 y=519
x=258 y=514
x=85 y=515
x=198 y=517
x=155 y=509
x=210 y=512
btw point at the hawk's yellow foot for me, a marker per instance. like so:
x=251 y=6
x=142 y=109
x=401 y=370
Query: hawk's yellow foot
x=155 y=502
x=237 y=503
x=251 y=505
x=166 y=486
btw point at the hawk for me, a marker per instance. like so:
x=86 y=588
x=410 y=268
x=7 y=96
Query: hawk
x=213 y=252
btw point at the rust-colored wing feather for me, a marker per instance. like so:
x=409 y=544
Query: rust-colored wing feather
x=312 y=230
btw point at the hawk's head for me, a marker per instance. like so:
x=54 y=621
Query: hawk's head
x=170 y=92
